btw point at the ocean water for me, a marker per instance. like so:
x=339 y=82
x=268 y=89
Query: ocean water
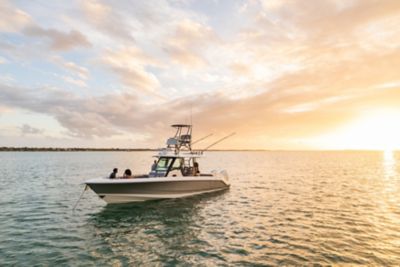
x=283 y=208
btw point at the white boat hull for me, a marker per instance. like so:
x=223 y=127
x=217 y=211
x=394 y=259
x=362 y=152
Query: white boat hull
x=144 y=189
x=127 y=198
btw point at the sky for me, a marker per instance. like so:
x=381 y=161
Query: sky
x=282 y=74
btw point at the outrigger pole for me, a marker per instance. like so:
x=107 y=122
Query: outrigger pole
x=201 y=139
x=219 y=141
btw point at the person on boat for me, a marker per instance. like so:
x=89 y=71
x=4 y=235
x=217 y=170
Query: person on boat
x=114 y=173
x=196 y=170
x=154 y=166
x=127 y=174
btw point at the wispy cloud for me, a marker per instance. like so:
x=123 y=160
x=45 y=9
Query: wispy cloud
x=130 y=65
x=59 y=41
x=107 y=19
x=185 y=44
x=26 y=129
x=82 y=72
x=12 y=19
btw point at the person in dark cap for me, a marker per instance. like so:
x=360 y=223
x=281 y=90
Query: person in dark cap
x=113 y=175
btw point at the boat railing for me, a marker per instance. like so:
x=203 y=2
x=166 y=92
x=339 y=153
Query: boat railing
x=219 y=172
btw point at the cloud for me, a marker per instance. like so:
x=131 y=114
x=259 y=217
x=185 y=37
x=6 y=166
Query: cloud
x=107 y=19
x=73 y=81
x=84 y=123
x=298 y=105
x=130 y=65
x=281 y=70
x=184 y=56
x=4 y=109
x=190 y=37
x=240 y=68
x=80 y=71
x=63 y=106
x=26 y=129
x=103 y=116
x=12 y=19
x=273 y=5
x=333 y=23
x=84 y=118
x=59 y=41
x=79 y=74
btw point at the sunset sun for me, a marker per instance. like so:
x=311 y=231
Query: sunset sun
x=377 y=130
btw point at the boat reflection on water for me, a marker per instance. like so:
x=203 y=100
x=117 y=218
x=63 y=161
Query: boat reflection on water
x=136 y=232
x=157 y=210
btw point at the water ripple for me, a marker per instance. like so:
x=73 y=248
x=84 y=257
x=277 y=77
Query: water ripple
x=284 y=208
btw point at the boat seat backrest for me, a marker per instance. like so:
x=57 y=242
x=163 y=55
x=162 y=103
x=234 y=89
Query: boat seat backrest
x=187 y=171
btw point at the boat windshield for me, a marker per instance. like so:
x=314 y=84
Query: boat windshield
x=168 y=166
x=163 y=164
x=177 y=164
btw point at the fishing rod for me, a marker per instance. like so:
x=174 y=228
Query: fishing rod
x=201 y=139
x=76 y=204
x=219 y=141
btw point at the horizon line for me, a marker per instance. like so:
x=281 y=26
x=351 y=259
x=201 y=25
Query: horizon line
x=72 y=149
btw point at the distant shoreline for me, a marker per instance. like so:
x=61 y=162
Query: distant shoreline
x=88 y=149
x=72 y=149
x=76 y=149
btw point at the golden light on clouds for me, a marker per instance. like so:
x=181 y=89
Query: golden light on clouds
x=292 y=75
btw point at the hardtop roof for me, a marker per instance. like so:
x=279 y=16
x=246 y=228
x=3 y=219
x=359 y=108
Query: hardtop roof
x=181 y=125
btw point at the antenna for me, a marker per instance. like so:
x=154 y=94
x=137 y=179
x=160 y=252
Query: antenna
x=191 y=115
x=191 y=125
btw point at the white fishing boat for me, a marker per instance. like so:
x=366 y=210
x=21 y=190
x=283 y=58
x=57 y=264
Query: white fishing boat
x=175 y=175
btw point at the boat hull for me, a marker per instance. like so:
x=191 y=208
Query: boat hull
x=136 y=190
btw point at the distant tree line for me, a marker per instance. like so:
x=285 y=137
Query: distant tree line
x=55 y=149
x=71 y=149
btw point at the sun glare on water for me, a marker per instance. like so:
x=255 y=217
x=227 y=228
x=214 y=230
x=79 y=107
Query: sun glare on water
x=378 y=130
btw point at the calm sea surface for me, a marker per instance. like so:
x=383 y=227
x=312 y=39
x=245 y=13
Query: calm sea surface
x=283 y=208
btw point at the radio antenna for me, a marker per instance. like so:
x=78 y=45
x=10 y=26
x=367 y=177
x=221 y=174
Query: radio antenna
x=191 y=125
